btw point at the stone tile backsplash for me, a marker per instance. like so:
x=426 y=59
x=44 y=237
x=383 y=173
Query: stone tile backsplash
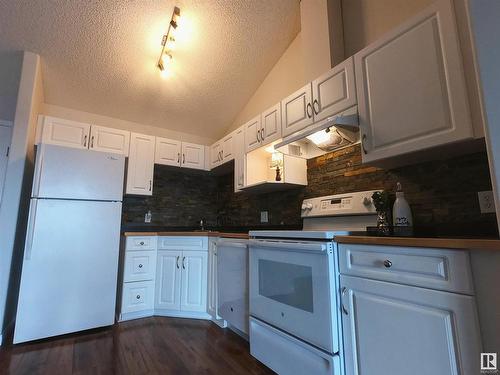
x=442 y=193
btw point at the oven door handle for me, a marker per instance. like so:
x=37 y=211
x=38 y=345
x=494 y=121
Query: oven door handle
x=309 y=247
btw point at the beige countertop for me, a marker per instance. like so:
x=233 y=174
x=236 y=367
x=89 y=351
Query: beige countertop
x=448 y=243
x=193 y=233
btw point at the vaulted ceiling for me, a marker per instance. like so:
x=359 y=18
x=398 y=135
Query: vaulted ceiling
x=99 y=56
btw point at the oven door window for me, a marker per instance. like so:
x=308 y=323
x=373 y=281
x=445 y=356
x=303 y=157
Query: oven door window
x=290 y=284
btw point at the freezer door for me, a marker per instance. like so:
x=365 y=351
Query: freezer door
x=69 y=274
x=70 y=173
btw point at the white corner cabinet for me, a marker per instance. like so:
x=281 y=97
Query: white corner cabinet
x=222 y=151
x=81 y=135
x=411 y=88
x=331 y=93
x=408 y=311
x=165 y=276
x=179 y=154
x=239 y=159
x=263 y=129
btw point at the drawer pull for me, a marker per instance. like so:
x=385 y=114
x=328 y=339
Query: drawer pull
x=232 y=309
x=140 y=265
x=138 y=296
x=141 y=243
x=387 y=263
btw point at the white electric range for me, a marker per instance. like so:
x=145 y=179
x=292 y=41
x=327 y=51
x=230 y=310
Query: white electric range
x=295 y=307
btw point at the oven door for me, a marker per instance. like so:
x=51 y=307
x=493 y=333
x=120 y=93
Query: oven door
x=291 y=287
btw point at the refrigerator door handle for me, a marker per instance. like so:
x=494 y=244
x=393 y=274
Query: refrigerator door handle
x=30 y=230
x=37 y=177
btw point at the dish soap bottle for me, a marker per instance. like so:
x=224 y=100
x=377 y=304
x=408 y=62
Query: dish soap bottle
x=401 y=214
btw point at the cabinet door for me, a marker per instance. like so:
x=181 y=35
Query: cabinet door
x=271 y=124
x=140 y=164
x=194 y=281
x=193 y=156
x=212 y=280
x=168 y=152
x=297 y=111
x=139 y=266
x=168 y=280
x=411 y=87
x=65 y=132
x=334 y=91
x=227 y=148
x=109 y=140
x=252 y=134
x=398 y=329
x=5 y=139
x=215 y=154
x=239 y=159
x=232 y=265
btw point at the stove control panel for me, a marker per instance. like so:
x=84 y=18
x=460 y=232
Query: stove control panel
x=359 y=203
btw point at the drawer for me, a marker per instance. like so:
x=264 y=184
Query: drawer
x=138 y=296
x=141 y=243
x=285 y=354
x=429 y=268
x=183 y=243
x=139 y=265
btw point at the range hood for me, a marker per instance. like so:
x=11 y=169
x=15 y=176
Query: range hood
x=327 y=135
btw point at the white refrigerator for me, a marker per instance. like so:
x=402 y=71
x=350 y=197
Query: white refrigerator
x=69 y=272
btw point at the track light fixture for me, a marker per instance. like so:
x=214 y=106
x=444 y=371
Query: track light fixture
x=168 y=42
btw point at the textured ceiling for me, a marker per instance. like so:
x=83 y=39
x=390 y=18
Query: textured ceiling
x=99 y=56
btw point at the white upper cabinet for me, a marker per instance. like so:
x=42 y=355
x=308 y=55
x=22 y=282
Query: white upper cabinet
x=411 y=87
x=193 y=156
x=109 y=140
x=270 y=124
x=252 y=134
x=215 y=154
x=168 y=152
x=239 y=158
x=65 y=132
x=140 y=164
x=227 y=148
x=334 y=91
x=297 y=111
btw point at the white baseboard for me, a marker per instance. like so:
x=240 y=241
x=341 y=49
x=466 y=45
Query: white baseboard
x=220 y=322
x=183 y=314
x=136 y=315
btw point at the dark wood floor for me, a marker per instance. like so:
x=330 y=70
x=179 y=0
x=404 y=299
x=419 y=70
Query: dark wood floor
x=144 y=346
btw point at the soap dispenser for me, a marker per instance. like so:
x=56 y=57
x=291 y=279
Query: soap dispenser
x=401 y=214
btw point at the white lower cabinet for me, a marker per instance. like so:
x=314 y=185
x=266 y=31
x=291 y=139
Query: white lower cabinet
x=166 y=276
x=390 y=328
x=168 y=280
x=137 y=297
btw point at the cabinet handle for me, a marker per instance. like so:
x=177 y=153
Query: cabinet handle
x=178 y=157
x=258 y=136
x=183 y=158
x=363 y=140
x=140 y=265
x=183 y=265
x=309 y=108
x=138 y=296
x=262 y=135
x=387 y=263
x=315 y=103
x=177 y=261
x=92 y=142
x=141 y=243
x=85 y=141
x=222 y=155
x=344 y=310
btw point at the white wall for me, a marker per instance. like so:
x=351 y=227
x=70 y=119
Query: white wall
x=91 y=118
x=10 y=73
x=18 y=180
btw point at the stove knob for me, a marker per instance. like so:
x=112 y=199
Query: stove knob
x=307 y=206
